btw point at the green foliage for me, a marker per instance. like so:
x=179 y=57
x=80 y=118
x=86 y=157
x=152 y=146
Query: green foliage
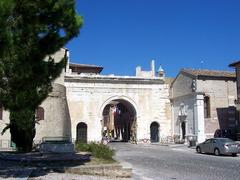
x=83 y=147
x=100 y=151
x=31 y=31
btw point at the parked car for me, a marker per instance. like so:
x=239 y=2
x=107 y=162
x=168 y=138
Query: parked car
x=219 y=146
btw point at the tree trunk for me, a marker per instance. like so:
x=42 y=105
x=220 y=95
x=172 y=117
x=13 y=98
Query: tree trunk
x=22 y=129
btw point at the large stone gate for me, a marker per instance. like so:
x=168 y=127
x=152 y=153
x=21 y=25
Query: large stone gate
x=145 y=96
x=84 y=104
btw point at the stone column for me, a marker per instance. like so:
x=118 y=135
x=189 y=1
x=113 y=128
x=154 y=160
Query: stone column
x=199 y=118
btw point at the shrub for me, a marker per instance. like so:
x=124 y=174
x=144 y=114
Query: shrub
x=100 y=151
x=82 y=147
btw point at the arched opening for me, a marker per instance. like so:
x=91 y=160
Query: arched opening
x=81 y=132
x=119 y=121
x=154 y=131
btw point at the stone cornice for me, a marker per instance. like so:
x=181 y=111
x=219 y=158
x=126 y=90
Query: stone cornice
x=187 y=96
x=115 y=79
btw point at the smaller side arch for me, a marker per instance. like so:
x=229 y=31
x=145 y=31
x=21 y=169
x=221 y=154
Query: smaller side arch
x=81 y=132
x=154 y=131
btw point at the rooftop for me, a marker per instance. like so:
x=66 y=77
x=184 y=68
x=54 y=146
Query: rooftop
x=209 y=73
x=234 y=64
x=85 y=68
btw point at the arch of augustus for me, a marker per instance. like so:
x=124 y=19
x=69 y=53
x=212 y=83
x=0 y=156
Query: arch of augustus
x=86 y=106
x=147 y=97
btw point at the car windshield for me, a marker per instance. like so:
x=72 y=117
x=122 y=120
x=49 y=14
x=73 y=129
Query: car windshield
x=226 y=140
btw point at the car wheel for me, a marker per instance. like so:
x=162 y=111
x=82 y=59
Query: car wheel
x=234 y=154
x=198 y=149
x=216 y=152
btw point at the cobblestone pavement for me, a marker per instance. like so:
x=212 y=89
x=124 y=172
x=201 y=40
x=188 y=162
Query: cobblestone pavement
x=157 y=162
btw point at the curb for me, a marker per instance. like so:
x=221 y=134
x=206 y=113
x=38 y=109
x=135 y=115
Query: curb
x=110 y=170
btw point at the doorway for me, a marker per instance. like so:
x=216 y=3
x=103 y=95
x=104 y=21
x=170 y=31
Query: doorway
x=82 y=132
x=154 y=131
x=183 y=126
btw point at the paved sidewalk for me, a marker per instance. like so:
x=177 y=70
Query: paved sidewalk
x=38 y=165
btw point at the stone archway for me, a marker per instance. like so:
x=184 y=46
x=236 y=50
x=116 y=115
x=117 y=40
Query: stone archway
x=119 y=121
x=154 y=132
x=81 y=132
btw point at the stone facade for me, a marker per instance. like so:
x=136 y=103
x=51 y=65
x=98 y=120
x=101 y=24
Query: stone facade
x=56 y=121
x=82 y=98
x=189 y=91
x=81 y=95
x=5 y=138
x=148 y=97
x=236 y=65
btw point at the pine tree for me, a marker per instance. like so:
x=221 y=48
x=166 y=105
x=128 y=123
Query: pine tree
x=31 y=30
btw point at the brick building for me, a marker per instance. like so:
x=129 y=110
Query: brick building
x=203 y=102
x=236 y=65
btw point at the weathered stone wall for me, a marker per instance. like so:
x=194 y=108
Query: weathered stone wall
x=56 y=121
x=222 y=95
x=5 y=138
x=238 y=80
x=182 y=86
x=188 y=102
x=87 y=98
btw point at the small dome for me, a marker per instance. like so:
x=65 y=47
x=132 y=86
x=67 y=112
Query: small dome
x=160 y=69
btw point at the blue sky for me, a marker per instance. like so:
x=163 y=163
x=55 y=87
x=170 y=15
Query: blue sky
x=122 y=34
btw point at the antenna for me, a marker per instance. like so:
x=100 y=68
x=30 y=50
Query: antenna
x=202 y=64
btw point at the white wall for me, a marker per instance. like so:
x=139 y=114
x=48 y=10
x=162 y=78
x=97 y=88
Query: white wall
x=86 y=100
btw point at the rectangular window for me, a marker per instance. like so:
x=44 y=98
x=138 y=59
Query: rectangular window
x=40 y=114
x=1 y=112
x=206 y=107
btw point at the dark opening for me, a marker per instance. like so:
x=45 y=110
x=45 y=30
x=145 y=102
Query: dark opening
x=119 y=121
x=40 y=113
x=1 y=111
x=82 y=132
x=154 y=131
x=206 y=107
x=183 y=130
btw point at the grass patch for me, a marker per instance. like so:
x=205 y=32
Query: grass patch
x=97 y=161
x=99 y=151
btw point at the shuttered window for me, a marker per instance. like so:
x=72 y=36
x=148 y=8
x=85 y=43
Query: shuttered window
x=207 y=107
x=1 y=112
x=40 y=114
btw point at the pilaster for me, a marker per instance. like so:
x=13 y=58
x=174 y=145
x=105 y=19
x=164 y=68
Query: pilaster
x=199 y=118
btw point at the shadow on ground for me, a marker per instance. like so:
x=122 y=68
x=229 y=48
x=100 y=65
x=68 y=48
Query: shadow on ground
x=221 y=155
x=35 y=164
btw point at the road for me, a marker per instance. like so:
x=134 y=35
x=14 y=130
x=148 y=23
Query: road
x=154 y=161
